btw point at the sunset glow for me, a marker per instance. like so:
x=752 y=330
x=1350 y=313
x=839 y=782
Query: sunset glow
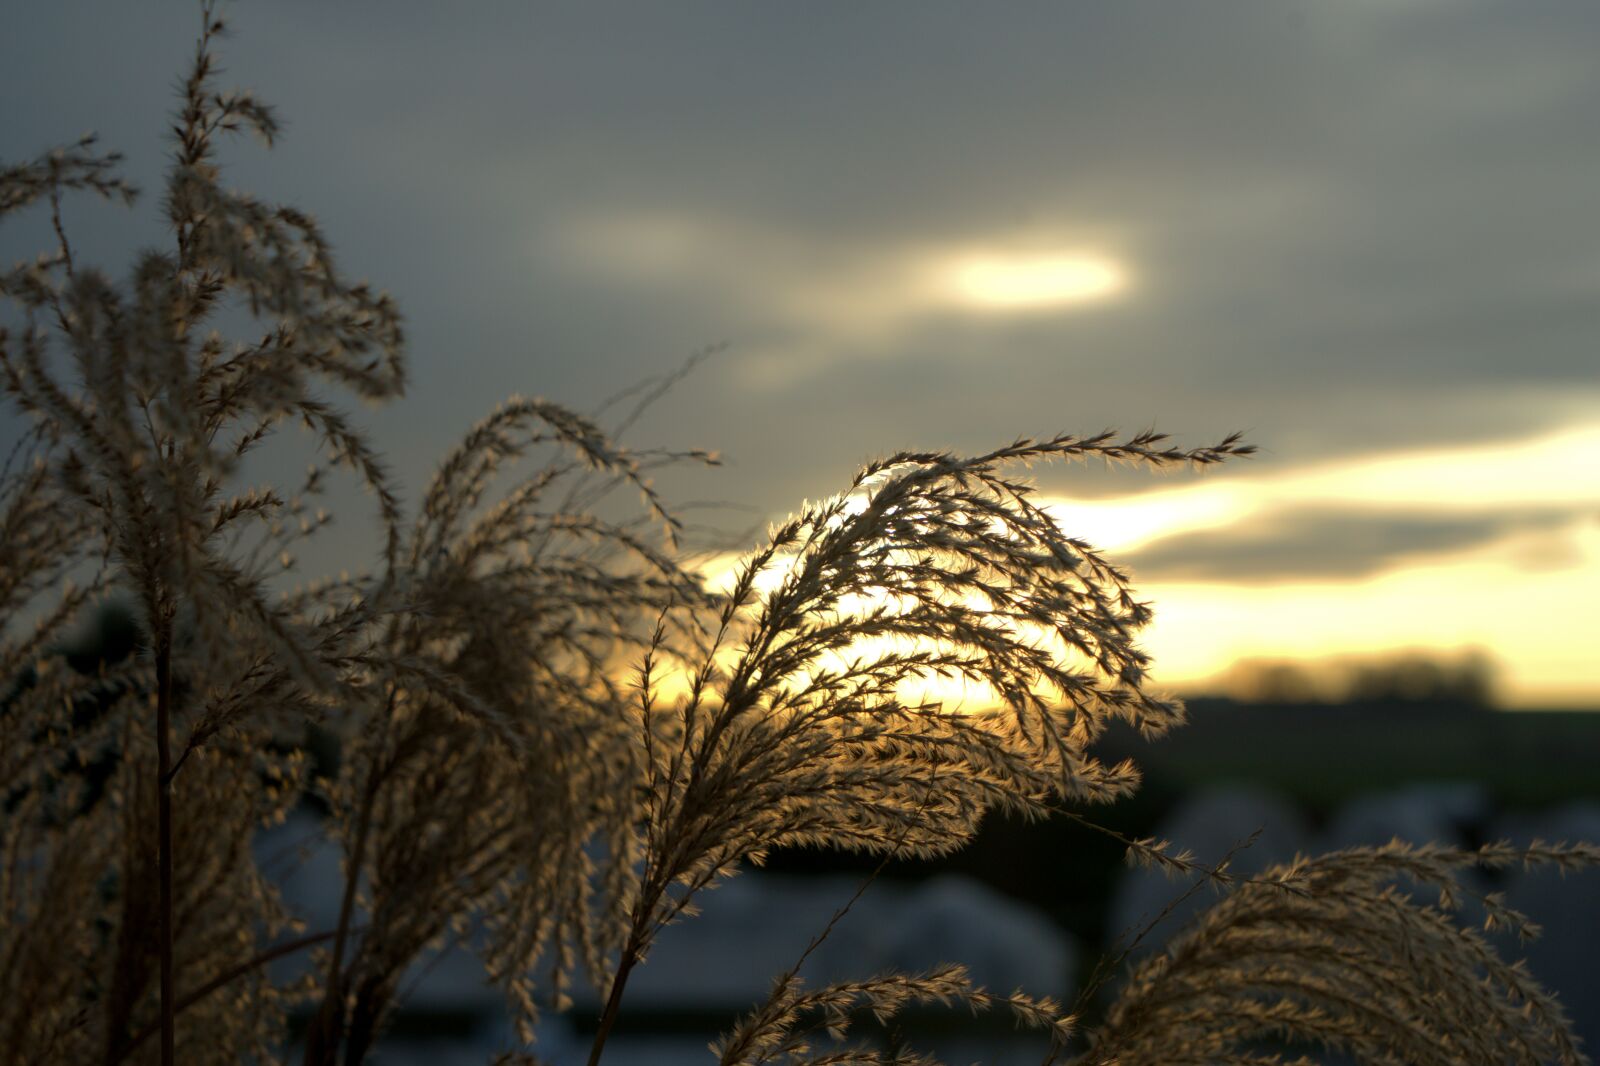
x=1011 y=282
x=859 y=533
x=1551 y=574
x=1527 y=597
x=1557 y=470
x=1536 y=625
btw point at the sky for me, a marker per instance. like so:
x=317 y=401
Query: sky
x=1367 y=233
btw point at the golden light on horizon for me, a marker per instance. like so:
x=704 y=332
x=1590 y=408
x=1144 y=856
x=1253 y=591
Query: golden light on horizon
x=1441 y=600
x=1020 y=282
x=1537 y=626
x=1553 y=470
x=1526 y=596
x=1202 y=627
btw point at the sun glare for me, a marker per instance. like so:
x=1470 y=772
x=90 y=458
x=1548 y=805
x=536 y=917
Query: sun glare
x=1202 y=626
x=958 y=694
x=1017 y=282
x=1542 y=643
x=1555 y=470
x=1123 y=523
x=1477 y=598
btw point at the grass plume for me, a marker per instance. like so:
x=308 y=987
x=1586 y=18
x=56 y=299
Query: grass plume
x=549 y=729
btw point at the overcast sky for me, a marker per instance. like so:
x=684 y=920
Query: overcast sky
x=1365 y=231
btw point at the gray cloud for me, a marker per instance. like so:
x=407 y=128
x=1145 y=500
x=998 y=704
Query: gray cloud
x=1320 y=544
x=1352 y=226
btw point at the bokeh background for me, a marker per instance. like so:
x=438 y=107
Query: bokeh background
x=1367 y=233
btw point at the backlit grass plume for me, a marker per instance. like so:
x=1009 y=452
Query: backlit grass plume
x=550 y=732
x=1351 y=960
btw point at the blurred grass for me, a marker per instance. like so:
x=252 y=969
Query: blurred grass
x=1317 y=756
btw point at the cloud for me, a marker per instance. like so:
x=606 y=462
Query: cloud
x=1322 y=544
x=1021 y=282
x=1338 y=232
x=817 y=298
x=1487 y=545
x=1506 y=481
x=1538 y=624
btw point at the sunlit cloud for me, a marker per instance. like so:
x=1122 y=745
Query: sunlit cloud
x=1022 y=282
x=1557 y=469
x=825 y=295
x=1326 y=543
x=1537 y=626
x=1527 y=594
